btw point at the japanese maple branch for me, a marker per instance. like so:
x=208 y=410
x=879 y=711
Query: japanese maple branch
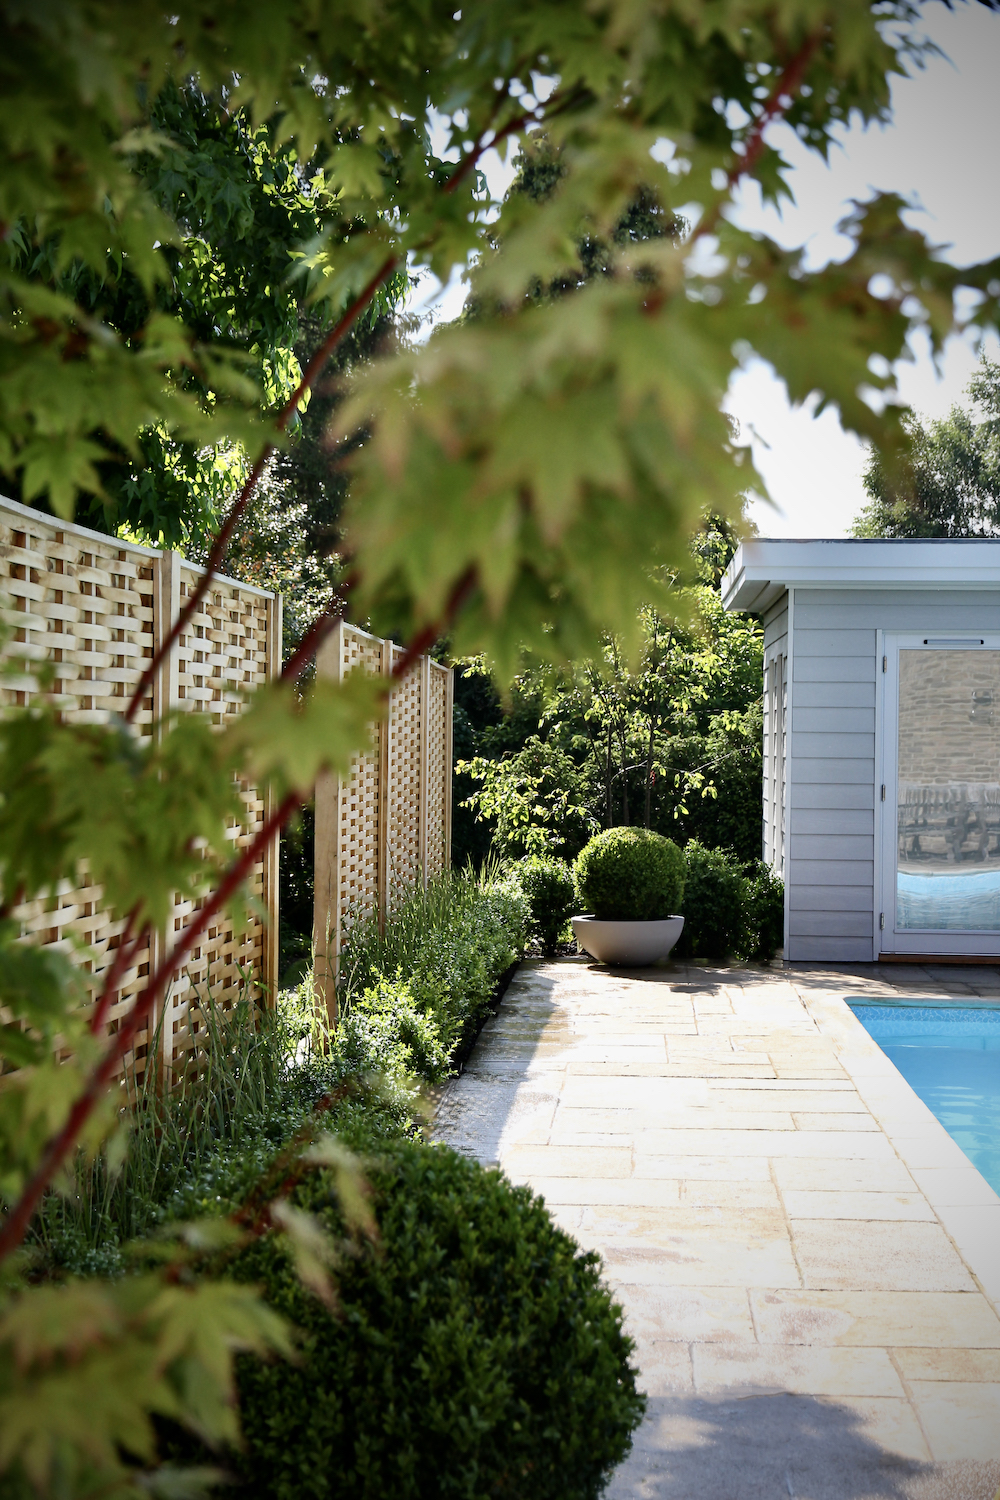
x=219 y=546
x=486 y=140
x=780 y=97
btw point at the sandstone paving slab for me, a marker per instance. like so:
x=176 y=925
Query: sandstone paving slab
x=626 y=1192
x=954 y=1187
x=980 y=1365
x=833 y=1120
x=961 y=1321
x=522 y=1163
x=751 y=1192
x=870 y=1145
x=961 y=1420
x=700 y=1168
x=801 y=1369
x=900 y=1257
x=865 y=1205
x=837 y=1174
x=686 y=1315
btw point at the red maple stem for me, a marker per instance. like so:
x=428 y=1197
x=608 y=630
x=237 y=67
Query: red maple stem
x=775 y=105
x=127 y=949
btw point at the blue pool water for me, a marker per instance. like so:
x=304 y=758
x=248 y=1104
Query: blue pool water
x=950 y=1056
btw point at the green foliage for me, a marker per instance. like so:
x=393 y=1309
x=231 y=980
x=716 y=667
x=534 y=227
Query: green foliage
x=631 y=875
x=673 y=742
x=420 y=989
x=551 y=892
x=534 y=800
x=948 y=483
x=713 y=906
x=764 y=912
x=476 y=1351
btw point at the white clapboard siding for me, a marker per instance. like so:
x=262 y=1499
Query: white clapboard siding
x=832 y=902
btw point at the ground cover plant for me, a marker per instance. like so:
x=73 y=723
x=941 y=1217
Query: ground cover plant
x=529 y=477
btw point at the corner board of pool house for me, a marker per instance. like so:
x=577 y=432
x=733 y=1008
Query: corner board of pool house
x=98 y=608
x=386 y=827
x=881 y=788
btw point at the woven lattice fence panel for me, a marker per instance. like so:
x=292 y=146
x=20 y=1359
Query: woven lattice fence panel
x=386 y=827
x=96 y=608
x=230 y=647
x=403 y=831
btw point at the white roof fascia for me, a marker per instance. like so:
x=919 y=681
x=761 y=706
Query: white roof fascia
x=763 y=569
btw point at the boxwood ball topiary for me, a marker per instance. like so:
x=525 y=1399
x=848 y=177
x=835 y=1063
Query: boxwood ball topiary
x=476 y=1352
x=630 y=875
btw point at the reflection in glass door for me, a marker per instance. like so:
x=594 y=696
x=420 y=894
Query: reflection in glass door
x=947 y=785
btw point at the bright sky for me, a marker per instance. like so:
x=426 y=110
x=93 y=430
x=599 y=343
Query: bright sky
x=940 y=152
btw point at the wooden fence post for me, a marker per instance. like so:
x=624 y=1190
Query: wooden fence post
x=166 y=698
x=449 y=759
x=384 y=822
x=423 y=788
x=270 y=946
x=326 y=909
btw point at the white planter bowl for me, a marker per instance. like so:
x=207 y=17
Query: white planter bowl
x=630 y=945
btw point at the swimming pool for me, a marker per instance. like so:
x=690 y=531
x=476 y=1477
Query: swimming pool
x=950 y=1056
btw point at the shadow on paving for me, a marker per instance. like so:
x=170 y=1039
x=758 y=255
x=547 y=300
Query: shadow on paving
x=780 y=1447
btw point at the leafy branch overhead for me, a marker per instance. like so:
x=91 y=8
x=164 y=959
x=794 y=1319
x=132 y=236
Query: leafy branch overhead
x=174 y=187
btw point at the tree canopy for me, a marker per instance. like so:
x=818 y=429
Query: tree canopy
x=947 y=483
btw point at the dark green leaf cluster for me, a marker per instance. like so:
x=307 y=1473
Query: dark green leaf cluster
x=713 y=903
x=551 y=892
x=764 y=912
x=731 y=907
x=630 y=875
x=475 y=1351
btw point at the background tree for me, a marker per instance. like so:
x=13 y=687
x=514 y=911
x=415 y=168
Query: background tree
x=948 y=481
x=672 y=743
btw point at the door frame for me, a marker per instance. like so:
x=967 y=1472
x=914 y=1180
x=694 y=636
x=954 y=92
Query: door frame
x=937 y=943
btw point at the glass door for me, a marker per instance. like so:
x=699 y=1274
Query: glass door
x=940 y=795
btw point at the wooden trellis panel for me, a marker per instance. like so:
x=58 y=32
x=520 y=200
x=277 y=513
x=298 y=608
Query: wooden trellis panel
x=386 y=826
x=96 y=608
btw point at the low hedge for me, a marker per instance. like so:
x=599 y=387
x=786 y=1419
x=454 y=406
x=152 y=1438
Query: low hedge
x=630 y=875
x=548 y=884
x=729 y=907
x=475 y=1352
x=415 y=995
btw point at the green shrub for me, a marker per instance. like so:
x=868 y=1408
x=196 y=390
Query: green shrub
x=439 y=958
x=548 y=884
x=475 y=1352
x=630 y=875
x=713 y=906
x=763 y=913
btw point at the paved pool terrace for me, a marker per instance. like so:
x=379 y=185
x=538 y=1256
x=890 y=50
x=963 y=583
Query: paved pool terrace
x=809 y=1264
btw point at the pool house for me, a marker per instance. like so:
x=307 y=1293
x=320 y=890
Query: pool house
x=881 y=742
